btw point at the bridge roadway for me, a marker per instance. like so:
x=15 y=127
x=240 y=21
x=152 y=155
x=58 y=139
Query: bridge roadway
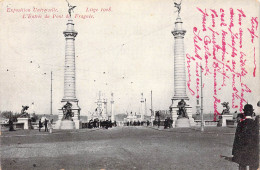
x=118 y=148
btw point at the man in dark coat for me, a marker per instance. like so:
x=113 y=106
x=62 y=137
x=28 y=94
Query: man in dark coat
x=11 y=125
x=46 y=125
x=40 y=125
x=246 y=143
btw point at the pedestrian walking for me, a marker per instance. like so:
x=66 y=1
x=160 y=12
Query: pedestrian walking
x=148 y=123
x=50 y=126
x=46 y=125
x=40 y=125
x=246 y=143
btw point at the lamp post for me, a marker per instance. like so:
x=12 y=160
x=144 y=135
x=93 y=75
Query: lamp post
x=201 y=113
x=51 y=93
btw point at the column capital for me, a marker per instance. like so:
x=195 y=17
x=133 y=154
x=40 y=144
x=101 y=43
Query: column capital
x=70 y=34
x=178 y=33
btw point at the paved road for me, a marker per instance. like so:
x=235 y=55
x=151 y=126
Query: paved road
x=118 y=148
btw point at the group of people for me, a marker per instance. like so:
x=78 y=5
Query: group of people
x=47 y=125
x=168 y=123
x=96 y=123
x=137 y=123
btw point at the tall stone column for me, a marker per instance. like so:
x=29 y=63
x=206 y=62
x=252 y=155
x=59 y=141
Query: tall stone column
x=70 y=69
x=70 y=76
x=179 y=62
x=179 y=71
x=142 y=110
x=112 y=108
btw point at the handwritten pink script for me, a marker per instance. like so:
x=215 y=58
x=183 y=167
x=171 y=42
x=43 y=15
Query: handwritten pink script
x=219 y=51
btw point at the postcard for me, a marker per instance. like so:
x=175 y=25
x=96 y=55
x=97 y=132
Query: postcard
x=79 y=65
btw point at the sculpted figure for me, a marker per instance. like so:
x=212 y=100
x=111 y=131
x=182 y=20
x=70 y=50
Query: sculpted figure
x=70 y=8
x=226 y=110
x=182 y=109
x=23 y=112
x=67 y=111
x=178 y=6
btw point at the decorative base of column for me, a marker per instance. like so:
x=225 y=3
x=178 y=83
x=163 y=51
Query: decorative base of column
x=76 y=119
x=78 y=124
x=67 y=124
x=174 y=110
x=182 y=122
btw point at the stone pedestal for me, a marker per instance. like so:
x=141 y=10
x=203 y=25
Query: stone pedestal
x=225 y=118
x=78 y=124
x=76 y=118
x=175 y=110
x=182 y=122
x=67 y=124
x=25 y=121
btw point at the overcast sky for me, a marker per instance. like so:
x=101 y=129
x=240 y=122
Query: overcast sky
x=127 y=51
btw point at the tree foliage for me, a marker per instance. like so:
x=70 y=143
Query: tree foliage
x=14 y=116
x=10 y=115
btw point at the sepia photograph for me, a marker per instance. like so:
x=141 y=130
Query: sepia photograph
x=133 y=84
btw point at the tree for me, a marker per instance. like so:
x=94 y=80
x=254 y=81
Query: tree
x=7 y=114
x=10 y=115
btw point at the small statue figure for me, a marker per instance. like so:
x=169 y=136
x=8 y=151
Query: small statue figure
x=67 y=111
x=182 y=110
x=70 y=8
x=178 y=6
x=23 y=112
x=226 y=110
